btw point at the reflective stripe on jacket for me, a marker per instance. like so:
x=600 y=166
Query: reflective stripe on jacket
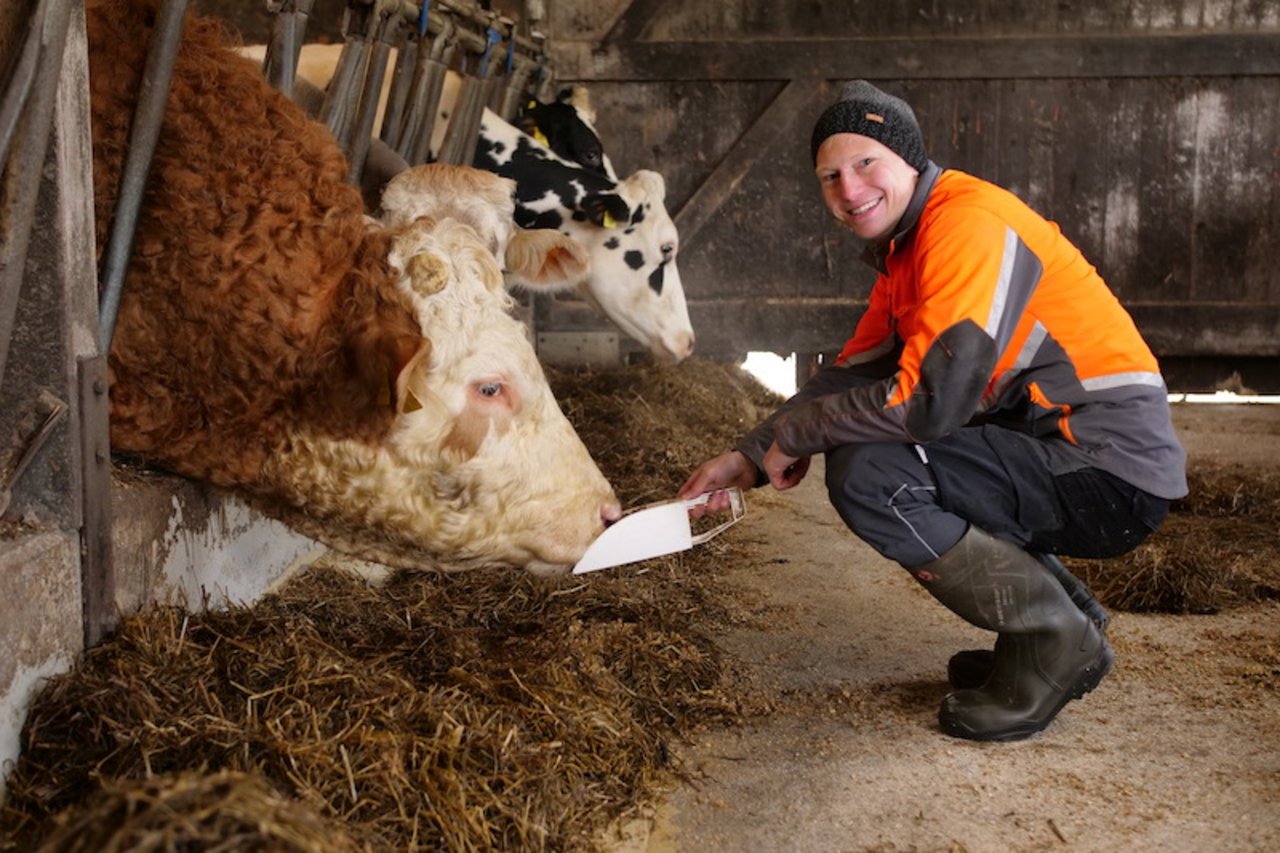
x=984 y=313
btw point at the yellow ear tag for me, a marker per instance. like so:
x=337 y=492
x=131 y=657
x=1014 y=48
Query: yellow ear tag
x=609 y=221
x=411 y=402
x=540 y=137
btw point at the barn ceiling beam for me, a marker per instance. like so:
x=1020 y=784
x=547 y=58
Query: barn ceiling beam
x=949 y=58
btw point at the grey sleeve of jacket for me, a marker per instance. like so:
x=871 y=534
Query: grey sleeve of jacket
x=953 y=374
x=836 y=380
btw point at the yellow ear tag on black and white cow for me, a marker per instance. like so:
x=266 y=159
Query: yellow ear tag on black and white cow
x=541 y=137
x=608 y=221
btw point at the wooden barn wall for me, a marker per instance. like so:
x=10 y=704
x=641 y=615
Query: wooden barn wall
x=1149 y=130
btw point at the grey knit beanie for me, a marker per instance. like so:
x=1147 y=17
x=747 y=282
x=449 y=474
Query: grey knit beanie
x=865 y=110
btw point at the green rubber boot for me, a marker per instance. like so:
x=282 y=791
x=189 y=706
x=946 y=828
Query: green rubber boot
x=1047 y=651
x=972 y=667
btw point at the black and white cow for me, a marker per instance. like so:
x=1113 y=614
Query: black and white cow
x=624 y=225
x=567 y=126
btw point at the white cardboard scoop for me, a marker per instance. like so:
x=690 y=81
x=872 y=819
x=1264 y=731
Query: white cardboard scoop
x=655 y=530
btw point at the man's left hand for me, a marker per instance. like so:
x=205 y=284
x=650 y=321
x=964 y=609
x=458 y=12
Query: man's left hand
x=784 y=471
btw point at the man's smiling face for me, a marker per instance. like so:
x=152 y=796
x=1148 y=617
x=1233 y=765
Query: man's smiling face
x=865 y=185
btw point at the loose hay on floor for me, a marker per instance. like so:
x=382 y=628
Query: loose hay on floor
x=1219 y=547
x=480 y=711
x=187 y=811
x=488 y=710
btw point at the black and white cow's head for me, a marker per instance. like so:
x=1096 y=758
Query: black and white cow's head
x=624 y=225
x=567 y=126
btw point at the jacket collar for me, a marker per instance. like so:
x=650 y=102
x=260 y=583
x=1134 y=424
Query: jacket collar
x=875 y=254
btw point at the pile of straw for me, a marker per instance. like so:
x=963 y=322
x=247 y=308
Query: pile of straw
x=488 y=710
x=1219 y=548
x=478 y=711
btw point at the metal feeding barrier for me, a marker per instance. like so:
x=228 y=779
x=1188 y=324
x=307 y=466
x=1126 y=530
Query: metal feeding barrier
x=497 y=60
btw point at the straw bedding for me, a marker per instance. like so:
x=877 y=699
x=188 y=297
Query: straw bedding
x=1219 y=548
x=476 y=711
x=486 y=710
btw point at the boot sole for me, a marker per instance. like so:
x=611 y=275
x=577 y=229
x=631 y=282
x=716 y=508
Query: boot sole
x=1090 y=677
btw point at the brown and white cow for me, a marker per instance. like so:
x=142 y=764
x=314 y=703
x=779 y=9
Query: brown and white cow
x=272 y=339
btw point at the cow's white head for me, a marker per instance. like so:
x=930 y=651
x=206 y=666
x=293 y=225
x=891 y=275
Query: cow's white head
x=506 y=472
x=629 y=236
x=539 y=259
x=481 y=466
x=634 y=279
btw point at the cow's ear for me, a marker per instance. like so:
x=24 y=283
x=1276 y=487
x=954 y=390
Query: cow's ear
x=409 y=354
x=545 y=259
x=384 y=361
x=608 y=210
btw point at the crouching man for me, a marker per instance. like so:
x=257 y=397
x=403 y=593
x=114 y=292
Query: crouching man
x=995 y=406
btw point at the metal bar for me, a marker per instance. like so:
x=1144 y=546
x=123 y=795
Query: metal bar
x=18 y=87
x=464 y=123
x=23 y=169
x=428 y=87
x=288 y=31
x=468 y=12
x=362 y=127
x=153 y=95
x=401 y=87
x=336 y=112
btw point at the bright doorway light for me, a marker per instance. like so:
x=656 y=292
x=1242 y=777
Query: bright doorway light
x=1224 y=397
x=776 y=373
x=779 y=375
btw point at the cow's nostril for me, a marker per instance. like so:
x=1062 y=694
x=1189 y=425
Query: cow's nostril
x=609 y=513
x=682 y=346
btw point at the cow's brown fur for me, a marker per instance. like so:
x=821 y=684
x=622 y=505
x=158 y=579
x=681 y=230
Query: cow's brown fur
x=256 y=297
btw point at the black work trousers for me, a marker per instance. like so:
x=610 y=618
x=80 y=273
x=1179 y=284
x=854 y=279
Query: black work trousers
x=913 y=503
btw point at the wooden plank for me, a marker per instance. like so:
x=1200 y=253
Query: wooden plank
x=633 y=21
x=948 y=58
x=98 y=579
x=789 y=110
x=726 y=327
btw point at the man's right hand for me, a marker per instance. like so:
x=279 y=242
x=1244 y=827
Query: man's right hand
x=722 y=472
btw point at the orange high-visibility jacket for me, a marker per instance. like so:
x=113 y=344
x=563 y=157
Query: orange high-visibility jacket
x=994 y=317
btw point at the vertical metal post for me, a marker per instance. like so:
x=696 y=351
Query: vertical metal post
x=428 y=85
x=288 y=31
x=384 y=28
x=153 y=95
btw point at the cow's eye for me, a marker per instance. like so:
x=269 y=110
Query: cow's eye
x=489 y=389
x=668 y=249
